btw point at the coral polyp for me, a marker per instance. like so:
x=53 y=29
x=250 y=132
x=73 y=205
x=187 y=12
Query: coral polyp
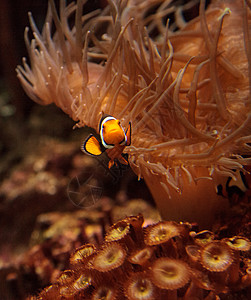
x=110 y=257
x=106 y=293
x=140 y=287
x=118 y=232
x=160 y=233
x=170 y=274
x=216 y=257
x=238 y=243
x=178 y=270
x=83 y=253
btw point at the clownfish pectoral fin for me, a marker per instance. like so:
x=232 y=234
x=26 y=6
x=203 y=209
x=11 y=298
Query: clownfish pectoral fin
x=91 y=146
x=128 y=134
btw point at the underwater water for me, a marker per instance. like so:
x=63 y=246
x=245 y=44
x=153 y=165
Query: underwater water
x=54 y=199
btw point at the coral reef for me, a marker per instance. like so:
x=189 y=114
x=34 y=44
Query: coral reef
x=186 y=92
x=54 y=237
x=164 y=260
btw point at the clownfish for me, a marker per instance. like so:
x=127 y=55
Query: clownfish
x=231 y=187
x=112 y=139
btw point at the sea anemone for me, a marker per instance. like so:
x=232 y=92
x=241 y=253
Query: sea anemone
x=186 y=93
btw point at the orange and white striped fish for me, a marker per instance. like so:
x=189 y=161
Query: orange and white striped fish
x=236 y=189
x=112 y=139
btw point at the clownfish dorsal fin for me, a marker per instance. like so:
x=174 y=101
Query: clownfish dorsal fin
x=91 y=146
x=128 y=134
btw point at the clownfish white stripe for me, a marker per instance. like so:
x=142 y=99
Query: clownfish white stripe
x=101 y=132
